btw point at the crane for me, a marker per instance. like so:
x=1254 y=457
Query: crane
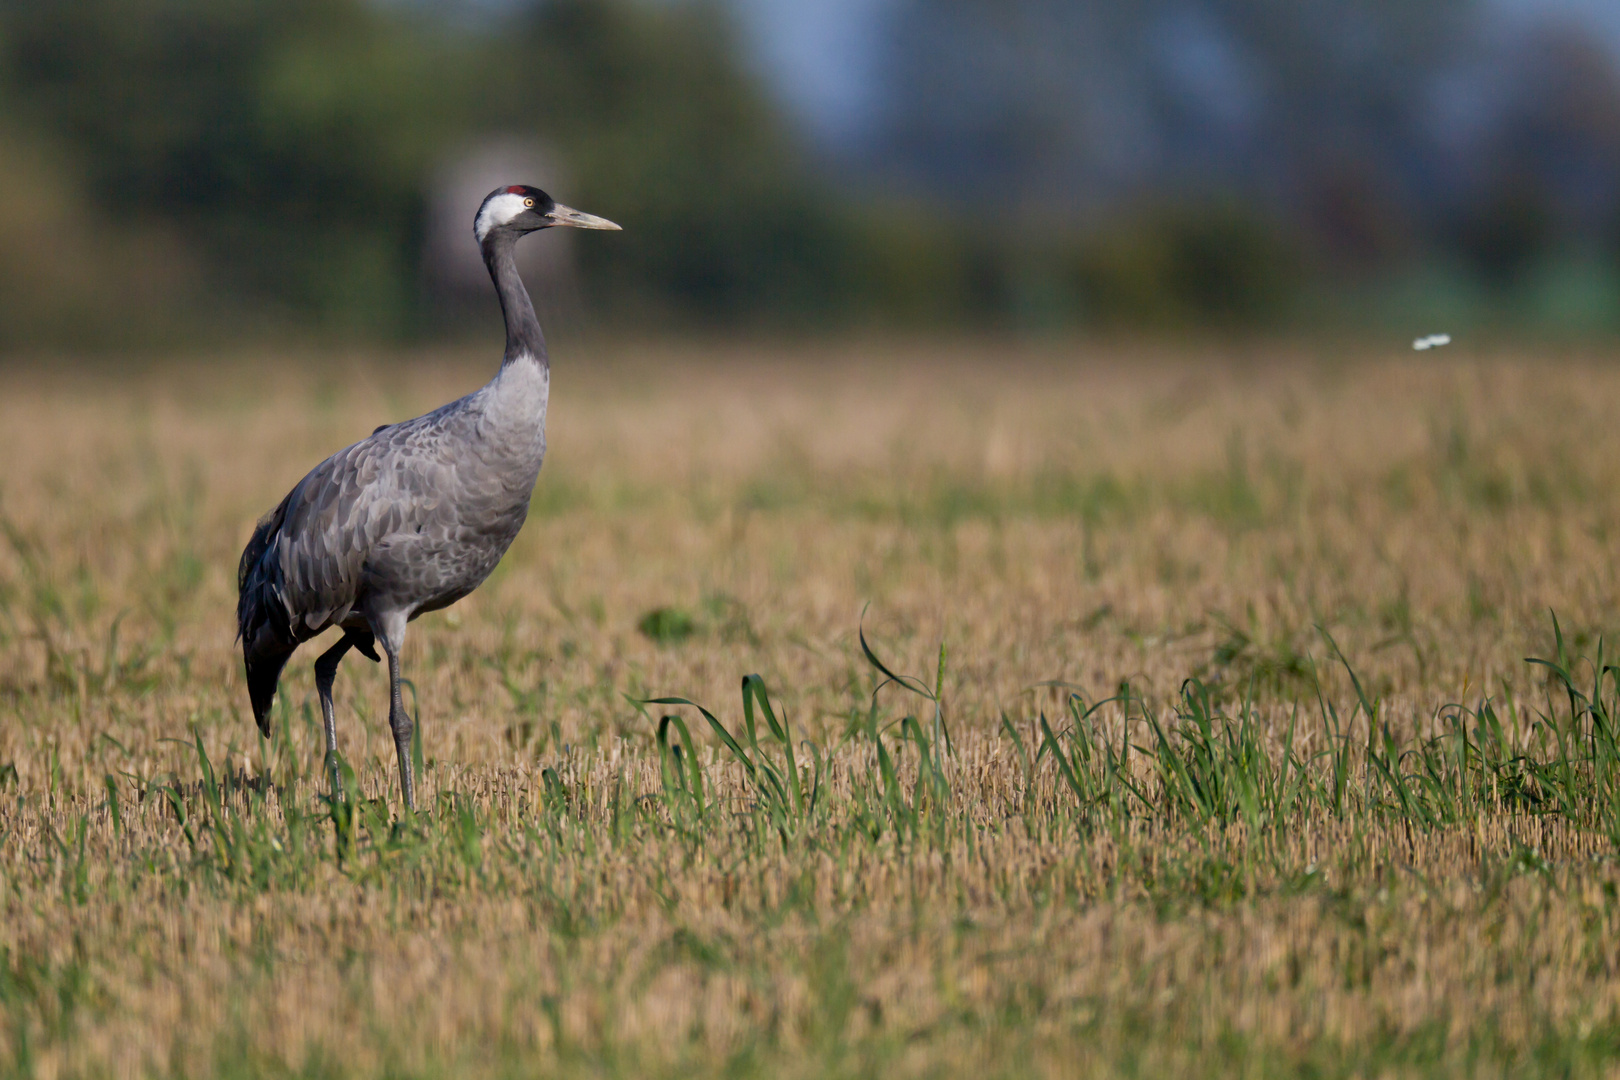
x=411 y=518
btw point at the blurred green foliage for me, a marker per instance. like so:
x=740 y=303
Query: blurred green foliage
x=283 y=151
x=175 y=169
x=667 y=134
x=1215 y=262
x=285 y=143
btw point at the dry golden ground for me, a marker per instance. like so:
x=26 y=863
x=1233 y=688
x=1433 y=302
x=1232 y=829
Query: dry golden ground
x=177 y=898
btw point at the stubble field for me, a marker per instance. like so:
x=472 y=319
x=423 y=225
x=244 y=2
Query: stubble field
x=1219 y=751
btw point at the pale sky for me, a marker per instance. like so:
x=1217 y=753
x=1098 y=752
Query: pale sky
x=819 y=55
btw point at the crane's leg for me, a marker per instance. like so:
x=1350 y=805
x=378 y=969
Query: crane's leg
x=325 y=671
x=392 y=637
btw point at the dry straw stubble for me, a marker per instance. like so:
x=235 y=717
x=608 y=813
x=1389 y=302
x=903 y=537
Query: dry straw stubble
x=1237 y=872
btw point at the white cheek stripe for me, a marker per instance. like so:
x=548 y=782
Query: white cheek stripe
x=497 y=211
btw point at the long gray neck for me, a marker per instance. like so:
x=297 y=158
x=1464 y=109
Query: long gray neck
x=523 y=336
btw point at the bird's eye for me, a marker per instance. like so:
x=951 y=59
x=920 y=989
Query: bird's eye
x=528 y=202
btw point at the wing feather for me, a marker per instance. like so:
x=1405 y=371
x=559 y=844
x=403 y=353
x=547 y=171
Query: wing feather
x=394 y=508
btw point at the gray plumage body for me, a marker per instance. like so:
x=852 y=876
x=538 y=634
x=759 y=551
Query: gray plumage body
x=404 y=522
x=410 y=519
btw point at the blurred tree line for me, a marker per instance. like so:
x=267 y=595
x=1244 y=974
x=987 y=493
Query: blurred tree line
x=172 y=167
x=1251 y=161
x=205 y=163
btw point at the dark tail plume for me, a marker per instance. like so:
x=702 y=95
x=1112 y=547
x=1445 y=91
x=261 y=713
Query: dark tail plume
x=261 y=619
x=263 y=675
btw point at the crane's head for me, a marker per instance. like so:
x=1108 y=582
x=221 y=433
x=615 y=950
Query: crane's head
x=520 y=209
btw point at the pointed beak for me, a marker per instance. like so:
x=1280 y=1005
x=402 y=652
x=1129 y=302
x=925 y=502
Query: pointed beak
x=567 y=215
